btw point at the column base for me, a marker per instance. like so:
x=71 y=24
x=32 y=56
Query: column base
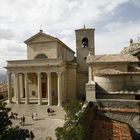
x=39 y=103
x=17 y=102
x=26 y=103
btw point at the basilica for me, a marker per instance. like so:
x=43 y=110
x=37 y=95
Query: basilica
x=52 y=74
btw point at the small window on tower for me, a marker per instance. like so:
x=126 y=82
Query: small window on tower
x=85 y=42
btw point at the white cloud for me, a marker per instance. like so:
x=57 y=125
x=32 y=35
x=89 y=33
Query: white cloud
x=117 y=37
x=11 y=50
x=19 y=19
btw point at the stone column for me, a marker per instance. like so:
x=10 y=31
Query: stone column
x=16 y=88
x=49 y=88
x=90 y=80
x=26 y=88
x=21 y=87
x=39 y=89
x=62 y=87
x=9 y=88
x=59 y=88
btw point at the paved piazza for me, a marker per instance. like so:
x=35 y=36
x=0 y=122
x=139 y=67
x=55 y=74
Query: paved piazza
x=44 y=125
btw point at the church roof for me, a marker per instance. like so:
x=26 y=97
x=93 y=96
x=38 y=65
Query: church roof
x=37 y=35
x=111 y=58
x=40 y=33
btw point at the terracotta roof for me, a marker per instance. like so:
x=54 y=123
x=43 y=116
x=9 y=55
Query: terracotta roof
x=111 y=58
x=104 y=128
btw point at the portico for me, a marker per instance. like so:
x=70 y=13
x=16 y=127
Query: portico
x=24 y=88
x=36 y=85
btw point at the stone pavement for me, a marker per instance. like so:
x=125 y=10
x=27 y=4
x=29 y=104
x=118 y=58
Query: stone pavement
x=44 y=125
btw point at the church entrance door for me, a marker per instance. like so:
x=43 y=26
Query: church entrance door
x=44 y=90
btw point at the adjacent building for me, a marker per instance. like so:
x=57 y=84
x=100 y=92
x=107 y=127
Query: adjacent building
x=115 y=76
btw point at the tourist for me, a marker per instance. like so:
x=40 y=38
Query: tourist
x=32 y=116
x=27 y=134
x=48 y=110
x=16 y=115
x=12 y=115
x=32 y=135
x=23 y=120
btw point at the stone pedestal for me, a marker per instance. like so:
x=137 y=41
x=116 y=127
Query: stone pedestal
x=90 y=91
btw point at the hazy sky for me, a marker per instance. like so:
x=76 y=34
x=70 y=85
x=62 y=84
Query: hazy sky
x=115 y=22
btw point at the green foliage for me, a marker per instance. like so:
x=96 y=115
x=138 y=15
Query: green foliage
x=7 y=132
x=48 y=138
x=74 y=127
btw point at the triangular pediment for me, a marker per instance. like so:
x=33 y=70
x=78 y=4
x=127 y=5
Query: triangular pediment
x=40 y=37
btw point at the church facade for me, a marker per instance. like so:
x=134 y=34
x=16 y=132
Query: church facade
x=47 y=76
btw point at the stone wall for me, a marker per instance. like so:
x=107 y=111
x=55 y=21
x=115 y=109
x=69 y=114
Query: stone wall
x=112 y=83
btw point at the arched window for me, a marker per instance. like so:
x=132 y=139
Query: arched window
x=85 y=42
x=40 y=56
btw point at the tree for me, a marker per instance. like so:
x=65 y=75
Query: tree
x=74 y=127
x=7 y=132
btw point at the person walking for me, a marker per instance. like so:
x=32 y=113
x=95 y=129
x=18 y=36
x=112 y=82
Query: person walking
x=48 y=110
x=23 y=119
x=32 y=135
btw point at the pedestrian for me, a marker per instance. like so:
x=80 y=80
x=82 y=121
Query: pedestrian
x=32 y=135
x=35 y=115
x=32 y=116
x=23 y=120
x=48 y=110
x=27 y=134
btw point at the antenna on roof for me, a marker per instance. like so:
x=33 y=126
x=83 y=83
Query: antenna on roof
x=41 y=29
x=84 y=24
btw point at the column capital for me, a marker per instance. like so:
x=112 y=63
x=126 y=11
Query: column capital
x=25 y=73
x=16 y=73
x=48 y=73
x=59 y=72
x=38 y=73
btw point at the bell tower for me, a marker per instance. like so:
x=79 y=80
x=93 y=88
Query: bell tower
x=84 y=44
